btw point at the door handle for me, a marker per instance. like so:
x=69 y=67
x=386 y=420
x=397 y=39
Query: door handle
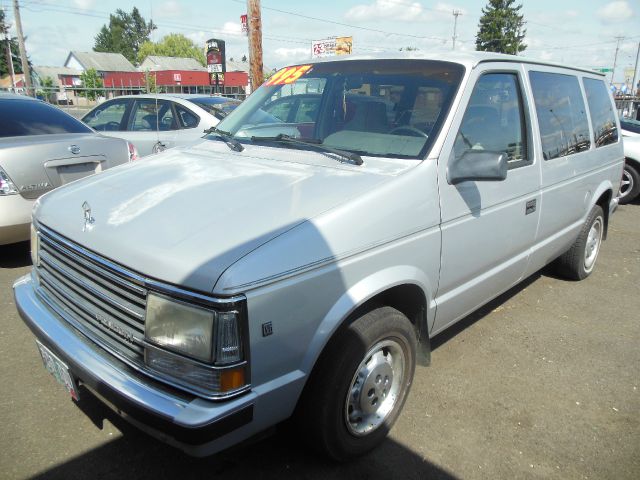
x=530 y=207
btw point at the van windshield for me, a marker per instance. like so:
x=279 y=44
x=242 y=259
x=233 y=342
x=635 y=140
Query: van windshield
x=384 y=108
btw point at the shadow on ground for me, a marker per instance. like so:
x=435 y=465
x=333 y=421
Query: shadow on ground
x=15 y=255
x=280 y=455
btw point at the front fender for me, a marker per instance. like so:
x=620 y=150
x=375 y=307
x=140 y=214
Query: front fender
x=361 y=292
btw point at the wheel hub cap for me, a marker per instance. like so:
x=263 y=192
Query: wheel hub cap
x=374 y=388
x=593 y=244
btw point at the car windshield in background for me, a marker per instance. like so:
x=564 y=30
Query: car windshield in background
x=385 y=108
x=31 y=117
x=216 y=106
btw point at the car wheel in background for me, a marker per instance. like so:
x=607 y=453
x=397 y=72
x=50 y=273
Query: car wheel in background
x=630 y=186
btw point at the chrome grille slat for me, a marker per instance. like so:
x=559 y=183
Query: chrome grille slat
x=102 y=299
x=128 y=349
x=95 y=290
x=116 y=279
x=89 y=307
x=97 y=280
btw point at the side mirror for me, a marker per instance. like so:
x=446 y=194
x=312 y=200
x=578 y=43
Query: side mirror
x=478 y=165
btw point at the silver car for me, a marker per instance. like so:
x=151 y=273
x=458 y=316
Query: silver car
x=156 y=122
x=41 y=148
x=298 y=265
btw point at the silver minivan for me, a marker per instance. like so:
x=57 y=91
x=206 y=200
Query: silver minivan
x=297 y=261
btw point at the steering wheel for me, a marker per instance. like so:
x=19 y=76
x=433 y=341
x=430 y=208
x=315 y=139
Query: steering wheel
x=110 y=126
x=408 y=128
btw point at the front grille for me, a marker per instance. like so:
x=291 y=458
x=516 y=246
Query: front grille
x=103 y=300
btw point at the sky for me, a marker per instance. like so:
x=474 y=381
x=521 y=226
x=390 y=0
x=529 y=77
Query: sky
x=576 y=32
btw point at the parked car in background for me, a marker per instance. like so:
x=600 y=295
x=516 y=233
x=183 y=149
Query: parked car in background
x=630 y=127
x=156 y=122
x=630 y=186
x=41 y=147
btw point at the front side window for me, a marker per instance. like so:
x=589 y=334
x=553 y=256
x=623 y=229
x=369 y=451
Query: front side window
x=494 y=119
x=602 y=117
x=386 y=108
x=108 y=116
x=150 y=115
x=562 y=117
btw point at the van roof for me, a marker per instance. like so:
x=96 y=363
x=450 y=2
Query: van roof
x=468 y=59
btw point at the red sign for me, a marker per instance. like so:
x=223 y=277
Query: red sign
x=243 y=21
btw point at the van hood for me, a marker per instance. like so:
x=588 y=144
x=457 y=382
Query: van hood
x=186 y=215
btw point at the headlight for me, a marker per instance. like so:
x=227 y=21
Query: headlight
x=35 y=245
x=209 y=338
x=180 y=327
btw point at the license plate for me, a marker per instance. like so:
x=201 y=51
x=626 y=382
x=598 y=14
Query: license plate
x=58 y=369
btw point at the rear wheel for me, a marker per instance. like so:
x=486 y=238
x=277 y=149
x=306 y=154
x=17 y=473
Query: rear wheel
x=360 y=384
x=630 y=186
x=580 y=260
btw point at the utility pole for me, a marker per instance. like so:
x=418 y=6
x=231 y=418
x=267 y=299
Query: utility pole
x=254 y=24
x=615 y=58
x=10 y=62
x=23 y=52
x=456 y=13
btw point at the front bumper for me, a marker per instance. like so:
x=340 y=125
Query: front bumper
x=197 y=426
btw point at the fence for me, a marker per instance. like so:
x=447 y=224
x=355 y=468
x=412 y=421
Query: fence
x=79 y=100
x=628 y=106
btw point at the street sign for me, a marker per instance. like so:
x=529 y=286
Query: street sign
x=604 y=70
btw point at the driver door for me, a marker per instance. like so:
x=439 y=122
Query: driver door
x=488 y=227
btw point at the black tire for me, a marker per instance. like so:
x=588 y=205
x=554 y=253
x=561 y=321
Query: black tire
x=326 y=404
x=578 y=262
x=630 y=187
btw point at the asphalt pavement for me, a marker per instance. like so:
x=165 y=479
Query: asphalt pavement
x=544 y=382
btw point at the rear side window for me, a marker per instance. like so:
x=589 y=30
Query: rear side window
x=188 y=119
x=150 y=115
x=602 y=117
x=494 y=119
x=30 y=117
x=562 y=117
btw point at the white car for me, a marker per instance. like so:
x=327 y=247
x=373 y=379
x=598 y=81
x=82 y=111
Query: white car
x=156 y=122
x=630 y=186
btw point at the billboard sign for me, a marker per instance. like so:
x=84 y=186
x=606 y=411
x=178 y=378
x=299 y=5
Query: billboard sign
x=329 y=47
x=216 y=60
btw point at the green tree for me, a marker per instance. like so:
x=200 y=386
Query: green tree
x=91 y=82
x=501 y=28
x=47 y=88
x=125 y=34
x=173 y=45
x=13 y=45
x=150 y=81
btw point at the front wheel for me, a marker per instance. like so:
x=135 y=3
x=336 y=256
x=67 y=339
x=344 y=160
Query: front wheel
x=580 y=260
x=360 y=384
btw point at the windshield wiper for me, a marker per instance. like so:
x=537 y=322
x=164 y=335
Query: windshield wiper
x=312 y=142
x=227 y=138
